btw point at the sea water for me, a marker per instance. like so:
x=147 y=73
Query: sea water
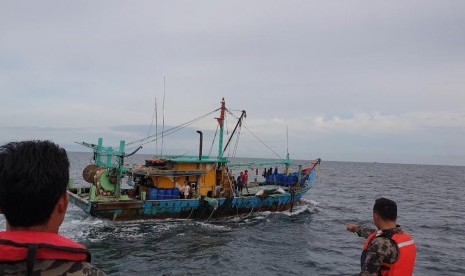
x=311 y=240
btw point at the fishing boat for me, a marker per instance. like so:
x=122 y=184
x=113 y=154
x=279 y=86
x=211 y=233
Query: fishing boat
x=157 y=189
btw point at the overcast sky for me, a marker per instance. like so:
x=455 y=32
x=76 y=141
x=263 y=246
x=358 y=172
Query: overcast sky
x=375 y=81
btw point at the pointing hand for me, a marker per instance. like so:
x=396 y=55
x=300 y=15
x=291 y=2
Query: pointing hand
x=352 y=227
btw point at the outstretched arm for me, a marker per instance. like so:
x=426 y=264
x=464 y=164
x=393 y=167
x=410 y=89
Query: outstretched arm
x=360 y=230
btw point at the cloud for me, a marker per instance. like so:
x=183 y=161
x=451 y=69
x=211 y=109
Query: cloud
x=363 y=123
x=354 y=81
x=378 y=123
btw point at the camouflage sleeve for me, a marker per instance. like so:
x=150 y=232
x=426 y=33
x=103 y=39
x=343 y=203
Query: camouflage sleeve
x=381 y=250
x=84 y=268
x=52 y=267
x=365 y=231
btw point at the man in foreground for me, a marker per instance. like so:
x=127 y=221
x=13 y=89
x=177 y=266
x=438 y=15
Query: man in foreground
x=33 y=198
x=388 y=251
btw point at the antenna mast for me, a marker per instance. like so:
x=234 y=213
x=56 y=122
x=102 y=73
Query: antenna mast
x=156 y=126
x=163 y=107
x=287 y=149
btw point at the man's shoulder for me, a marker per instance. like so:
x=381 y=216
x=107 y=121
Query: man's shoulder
x=386 y=247
x=51 y=267
x=382 y=241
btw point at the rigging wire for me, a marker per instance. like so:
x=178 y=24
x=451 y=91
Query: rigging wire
x=213 y=141
x=172 y=130
x=236 y=144
x=256 y=137
x=153 y=117
x=237 y=110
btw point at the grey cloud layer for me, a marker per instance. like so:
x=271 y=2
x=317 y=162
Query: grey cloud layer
x=356 y=69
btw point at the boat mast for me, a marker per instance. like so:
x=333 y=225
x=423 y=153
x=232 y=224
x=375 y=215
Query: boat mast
x=163 y=127
x=221 y=122
x=287 y=149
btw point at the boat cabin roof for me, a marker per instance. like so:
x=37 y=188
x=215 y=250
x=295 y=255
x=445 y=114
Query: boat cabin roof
x=191 y=160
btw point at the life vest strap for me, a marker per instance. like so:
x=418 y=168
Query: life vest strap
x=31 y=256
x=37 y=246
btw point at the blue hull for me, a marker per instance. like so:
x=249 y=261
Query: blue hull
x=187 y=208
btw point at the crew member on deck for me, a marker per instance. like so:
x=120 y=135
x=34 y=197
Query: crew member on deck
x=187 y=190
x=246 y=180
x=240 y=183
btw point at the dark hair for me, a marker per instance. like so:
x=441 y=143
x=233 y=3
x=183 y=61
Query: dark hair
x=385 y=208
x=33 y=177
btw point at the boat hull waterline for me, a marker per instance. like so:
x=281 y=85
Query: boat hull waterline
x=186 y=208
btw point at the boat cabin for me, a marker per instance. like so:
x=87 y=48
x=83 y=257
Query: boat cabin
x=204 y=175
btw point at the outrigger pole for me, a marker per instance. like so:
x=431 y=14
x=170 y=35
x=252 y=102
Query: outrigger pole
x=239 y=122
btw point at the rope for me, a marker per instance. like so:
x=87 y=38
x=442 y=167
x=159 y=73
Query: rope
x=250 y=211
x=292 y=199
x=192 y=211
x=214 y=209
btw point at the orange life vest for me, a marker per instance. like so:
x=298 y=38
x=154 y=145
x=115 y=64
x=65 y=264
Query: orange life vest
x=18 y=246
x=407 y=253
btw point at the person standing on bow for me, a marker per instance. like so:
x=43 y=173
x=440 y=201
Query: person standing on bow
x=240 y=183
x=33 y=180
x=187 y=190
x=388 y=251
x=246 y=180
